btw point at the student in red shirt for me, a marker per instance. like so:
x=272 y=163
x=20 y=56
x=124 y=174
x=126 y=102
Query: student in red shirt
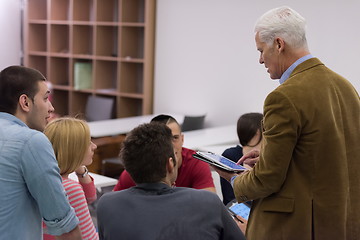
x=192 y=173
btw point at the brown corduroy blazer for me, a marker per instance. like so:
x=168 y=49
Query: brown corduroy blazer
x=306 y=184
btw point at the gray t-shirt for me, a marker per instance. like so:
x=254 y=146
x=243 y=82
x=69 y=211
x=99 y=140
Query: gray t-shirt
x=157 y=211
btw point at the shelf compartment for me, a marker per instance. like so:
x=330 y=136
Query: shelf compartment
x=38 y=63
x=132 y=77
x=129 y=107
x=37 y=9
x=59 y=38
x=106 y=75
x=83 y=10
x=60 y=10
x=132 y=44
x=111 y=35
x=59 y=71
x=60 y=101
x=78 y=104
x=133 y=11
x=107 y=41
x=82 y=39
x=109 y=108
x=37 y=37
x=107 y=11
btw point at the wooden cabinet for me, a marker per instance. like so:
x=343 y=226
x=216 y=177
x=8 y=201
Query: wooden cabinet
x=112 y=38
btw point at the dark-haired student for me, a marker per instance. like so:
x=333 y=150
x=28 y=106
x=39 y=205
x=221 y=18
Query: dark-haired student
x=154 y=208
x=249 y=133
x=192 y=172
x=30 y=183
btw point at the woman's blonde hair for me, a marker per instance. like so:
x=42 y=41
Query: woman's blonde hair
x=70 y=138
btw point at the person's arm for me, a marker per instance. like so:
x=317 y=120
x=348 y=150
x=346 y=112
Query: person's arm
x=250 y=159
x=225 y=174
x=87 y=183
x=74 y=234
x=281 y=126
x=77 y=200
x=241 y=222
x=41 y=174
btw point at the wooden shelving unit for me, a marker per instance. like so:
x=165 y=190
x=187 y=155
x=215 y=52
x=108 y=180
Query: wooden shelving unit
x=116 y=37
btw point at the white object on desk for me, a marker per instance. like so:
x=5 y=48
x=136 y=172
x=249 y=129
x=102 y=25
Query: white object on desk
x=100 y=181
x=223 y=135
x=113 y=127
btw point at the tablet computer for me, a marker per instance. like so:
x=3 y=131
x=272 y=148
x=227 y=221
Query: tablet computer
x=240 y=209
x=219 y=161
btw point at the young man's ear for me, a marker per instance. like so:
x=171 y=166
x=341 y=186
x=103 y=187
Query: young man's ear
x=170 y=165
x=24 y=103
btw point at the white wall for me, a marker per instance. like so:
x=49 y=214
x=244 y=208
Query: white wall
x=10 y=33
x=206 y=59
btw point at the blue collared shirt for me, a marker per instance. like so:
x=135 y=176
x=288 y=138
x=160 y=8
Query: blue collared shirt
x=30 y=184
x=288 y=71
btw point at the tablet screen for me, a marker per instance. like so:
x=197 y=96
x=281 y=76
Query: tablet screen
x=240 y=209
x=223 y=160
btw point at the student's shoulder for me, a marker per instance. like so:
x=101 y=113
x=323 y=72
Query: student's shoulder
x=233 y=153
x=38 y=140
x=115 y=195
x=199 y=193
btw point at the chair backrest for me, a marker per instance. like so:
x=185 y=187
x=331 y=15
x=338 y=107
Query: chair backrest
x=193 y=123
x=99 y=108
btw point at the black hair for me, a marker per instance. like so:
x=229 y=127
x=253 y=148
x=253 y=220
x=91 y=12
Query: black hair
x=146 y=150
x=247 y=126
x=15 y=81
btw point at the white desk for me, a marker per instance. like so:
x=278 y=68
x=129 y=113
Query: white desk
x=223 y=135
x=100 y=181
x=218 y=149
x=113 y=127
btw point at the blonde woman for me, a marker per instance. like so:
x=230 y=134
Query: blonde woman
x=74 y=150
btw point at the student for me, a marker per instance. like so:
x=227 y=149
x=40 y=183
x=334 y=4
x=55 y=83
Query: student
x=192 y=172
x=154 y=209
x=249 y=133
x=30 y=183
x=305 y=184
x=70 y=138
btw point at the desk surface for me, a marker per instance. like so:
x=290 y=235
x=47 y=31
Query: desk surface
x=223 y=135
x=218 y=149
x=99 y=180
x=113 y=127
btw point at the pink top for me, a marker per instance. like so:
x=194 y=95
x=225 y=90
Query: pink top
x=79 y=195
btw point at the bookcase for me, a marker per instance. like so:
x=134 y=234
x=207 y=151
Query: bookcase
x=112 y=41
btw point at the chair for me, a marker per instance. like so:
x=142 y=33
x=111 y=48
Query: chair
x=193 y=122
x=112 y=167
x=99 y=108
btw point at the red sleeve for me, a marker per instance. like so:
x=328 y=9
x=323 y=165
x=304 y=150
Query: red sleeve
x=202 y=177
x=197 y=173
x=89 y=190
x=125 y=181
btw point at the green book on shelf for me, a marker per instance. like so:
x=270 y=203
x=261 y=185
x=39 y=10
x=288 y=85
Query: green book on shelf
x=82 y=75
